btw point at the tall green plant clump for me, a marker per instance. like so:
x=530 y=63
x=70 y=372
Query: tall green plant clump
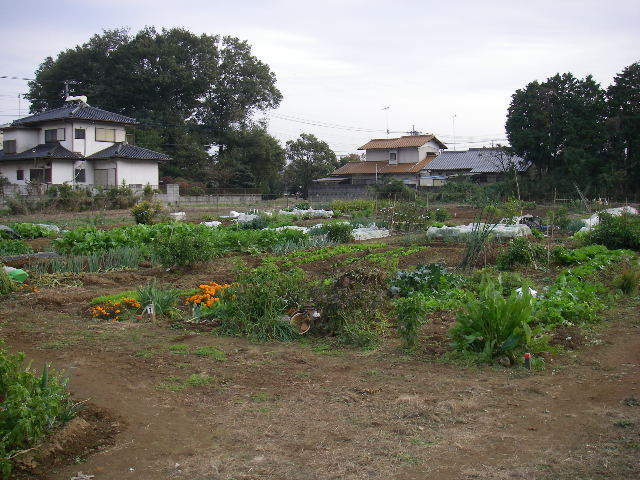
x=492 y=325
x=521 y=251
x=354 y=305
x=32 y=407
x=254 y=306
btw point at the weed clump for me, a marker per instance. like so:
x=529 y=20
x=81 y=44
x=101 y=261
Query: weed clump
x=522 y=252
x=32 y=406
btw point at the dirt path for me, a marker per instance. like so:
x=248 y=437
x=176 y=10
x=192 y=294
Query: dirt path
x=277 y=411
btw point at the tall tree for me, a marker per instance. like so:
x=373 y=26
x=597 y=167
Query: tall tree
x=189 y=91
x=307 y=158
x=623 y=98
x=559 y=125
x=252 y=158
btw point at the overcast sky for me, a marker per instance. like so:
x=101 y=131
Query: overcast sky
x=340 y=62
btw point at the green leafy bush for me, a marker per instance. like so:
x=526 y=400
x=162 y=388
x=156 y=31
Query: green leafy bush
x=31 y=230
x=32 y=406
x=361 y=207
x=353 y=305
x=148 y=212
x=616 y=232
x=255 y=304
x=410 y=312
x=424 y=278
x=338 y=232
x=492 y=325
x=14 y=247
x=182 y=248
x=520 y=251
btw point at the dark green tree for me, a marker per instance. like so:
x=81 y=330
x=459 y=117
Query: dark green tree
x=187 y=90
x=623 y=126
x=307 y=158
x=559 y=125
x=251 y=158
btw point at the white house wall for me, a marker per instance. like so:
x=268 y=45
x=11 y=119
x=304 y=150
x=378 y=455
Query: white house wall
x=430 y=147
x=138 y=172
x=377 y=156
x=25 y=138
x=408 y=155
x=405 y=155
x=89 y=145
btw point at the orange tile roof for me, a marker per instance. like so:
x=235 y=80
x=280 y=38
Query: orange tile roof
x=400 y=142
x=382 y=167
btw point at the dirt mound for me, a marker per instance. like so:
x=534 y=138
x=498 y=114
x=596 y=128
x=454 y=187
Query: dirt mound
x=93 y=429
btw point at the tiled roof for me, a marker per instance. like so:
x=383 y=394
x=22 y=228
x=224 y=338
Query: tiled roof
x=381 y=167
x=74 y=110
x=400 y=142
x=124 y=150
x=45 y=150
x=477 y=160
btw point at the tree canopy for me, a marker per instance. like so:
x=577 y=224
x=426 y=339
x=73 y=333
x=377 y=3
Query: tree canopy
x=578 y=134
x=307 y=158
x=190 y=92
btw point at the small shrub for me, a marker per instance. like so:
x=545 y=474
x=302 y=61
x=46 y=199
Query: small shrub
x=148 y=212
x=616 y=232
x=182 y=248
x=32 y=406
x=338 y=232
x=254 y=306
x=410 y=311
x=520 y=251
x=353 y=305
x=492 y=325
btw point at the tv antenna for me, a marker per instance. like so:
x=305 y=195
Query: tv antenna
x=386 y=109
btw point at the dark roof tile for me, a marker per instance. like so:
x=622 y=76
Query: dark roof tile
x=44 y=150
x=477 y=160
x=124 y=150
x=74 y=110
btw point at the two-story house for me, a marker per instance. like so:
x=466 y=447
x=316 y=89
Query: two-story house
x=76 y=144
x=402 y=158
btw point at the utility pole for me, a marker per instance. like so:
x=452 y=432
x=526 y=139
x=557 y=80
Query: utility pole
x=453 y=121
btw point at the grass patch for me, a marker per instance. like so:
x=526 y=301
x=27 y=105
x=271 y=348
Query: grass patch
x=213 y=352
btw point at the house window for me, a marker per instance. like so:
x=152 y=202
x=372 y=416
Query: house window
x=130 y=139
x=80 y=175
x=53 y=135
x=80 y=134
x=9 y=146
x=105 y=134
x=19 y=174
x=40 y=175
x=393 y=158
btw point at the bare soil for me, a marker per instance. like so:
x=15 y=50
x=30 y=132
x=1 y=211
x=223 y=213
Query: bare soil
x=311 y=411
